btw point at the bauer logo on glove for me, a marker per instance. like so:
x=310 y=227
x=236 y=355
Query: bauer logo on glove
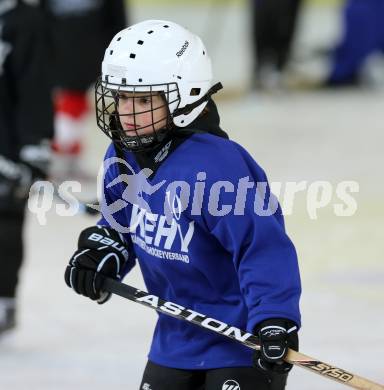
x=108 y=241
x=102 y=252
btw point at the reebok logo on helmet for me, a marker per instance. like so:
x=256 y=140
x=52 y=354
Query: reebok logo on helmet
x=183 y=49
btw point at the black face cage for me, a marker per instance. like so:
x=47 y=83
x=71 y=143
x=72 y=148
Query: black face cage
x=109 y=120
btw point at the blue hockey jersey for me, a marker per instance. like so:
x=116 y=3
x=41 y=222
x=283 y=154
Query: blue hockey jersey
x=207 y=235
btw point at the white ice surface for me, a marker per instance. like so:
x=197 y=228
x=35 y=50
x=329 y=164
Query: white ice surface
x=67 y=342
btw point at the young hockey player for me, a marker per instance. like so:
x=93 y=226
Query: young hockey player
x=363 y=36
x=183 y=201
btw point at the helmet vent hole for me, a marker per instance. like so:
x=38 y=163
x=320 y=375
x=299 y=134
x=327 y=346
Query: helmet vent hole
x=203 y=52
x=179 y=77
x=110 y=52
x=124 y=81
x=140 y=42
x=140 y=80
x=182 y=121
x=118 y=39
x=150 y=32
x=195 y=92
x=166 y=26
x=132 y=55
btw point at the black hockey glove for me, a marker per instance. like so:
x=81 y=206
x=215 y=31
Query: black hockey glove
x=37 y=158
x=16 y=178
x=101 y=252
x=276 y=336
x=15 y=181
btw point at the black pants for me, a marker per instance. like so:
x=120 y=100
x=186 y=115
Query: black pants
x=274 y=23
x=230 y=378
x=11 y=244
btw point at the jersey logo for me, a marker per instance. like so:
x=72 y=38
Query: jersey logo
x=230 y=385
x=146 y=386
x=163 y=153
x=174 y=205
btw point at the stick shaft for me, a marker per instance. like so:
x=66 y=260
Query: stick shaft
x=84 y=207
x=331 y=372
x=247 y=339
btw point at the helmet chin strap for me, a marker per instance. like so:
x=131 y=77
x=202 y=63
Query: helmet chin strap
x=145 y=142
x=189 y=107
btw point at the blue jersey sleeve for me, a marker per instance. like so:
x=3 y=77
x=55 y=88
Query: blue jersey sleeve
x=253 y=232
x=109 y=195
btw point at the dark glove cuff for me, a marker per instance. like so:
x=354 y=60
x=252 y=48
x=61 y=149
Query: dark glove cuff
x=289 y=325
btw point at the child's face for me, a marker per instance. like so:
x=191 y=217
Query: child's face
x=138 y=115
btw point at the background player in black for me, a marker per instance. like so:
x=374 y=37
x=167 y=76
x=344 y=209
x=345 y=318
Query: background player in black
x=273 y=26
x=25 y=122
x=79 y=31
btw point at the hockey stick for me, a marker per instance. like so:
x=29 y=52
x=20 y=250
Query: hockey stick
x=247 y=339
x=88 y=208
x=84 y=207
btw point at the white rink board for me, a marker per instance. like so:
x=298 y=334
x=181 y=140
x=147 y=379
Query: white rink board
x=226 y=30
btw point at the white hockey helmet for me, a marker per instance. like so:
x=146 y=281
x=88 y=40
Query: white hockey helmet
x=157 y=56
